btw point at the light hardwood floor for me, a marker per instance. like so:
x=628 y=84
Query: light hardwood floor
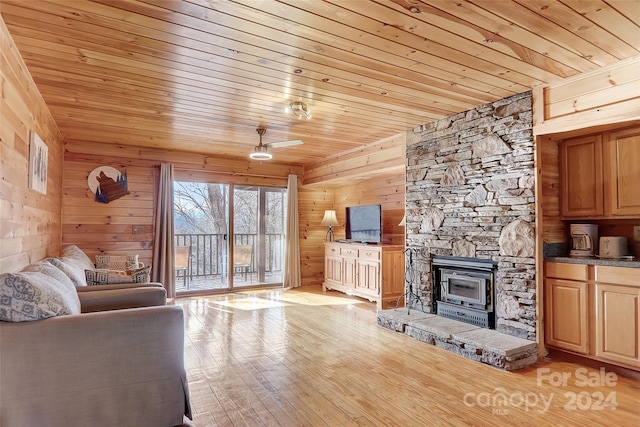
x=307 y=358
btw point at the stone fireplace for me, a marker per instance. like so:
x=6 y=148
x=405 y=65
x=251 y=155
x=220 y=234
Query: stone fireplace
x=470 y=193
x=470 y=197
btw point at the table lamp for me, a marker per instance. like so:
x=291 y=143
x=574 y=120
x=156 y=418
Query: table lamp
x=329 y=220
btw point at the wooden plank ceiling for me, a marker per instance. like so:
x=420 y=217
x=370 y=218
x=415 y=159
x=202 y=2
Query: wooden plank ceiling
x=202 y=75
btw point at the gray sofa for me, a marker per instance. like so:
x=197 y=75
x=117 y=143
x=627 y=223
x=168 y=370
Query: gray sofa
x=107 y=355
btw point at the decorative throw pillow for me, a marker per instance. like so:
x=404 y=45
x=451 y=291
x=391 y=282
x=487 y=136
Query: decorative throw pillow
x=118 y=262
x=32 y=295
x=77 y=257
x=141 y=275
x=73 y=262
x=71 y=269
x=110 y=277
x=60 y=281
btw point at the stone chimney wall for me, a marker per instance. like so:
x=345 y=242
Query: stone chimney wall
x=470 y=193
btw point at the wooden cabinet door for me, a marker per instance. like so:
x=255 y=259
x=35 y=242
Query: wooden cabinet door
x=622 y=173
x=368 y=280
x=581 y=177
x=333 y=270
x=566 y=315
x=617 y=320
x=349 y=272
x=392 y=273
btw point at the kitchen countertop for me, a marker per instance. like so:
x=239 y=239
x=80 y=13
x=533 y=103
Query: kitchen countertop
x=635 y=263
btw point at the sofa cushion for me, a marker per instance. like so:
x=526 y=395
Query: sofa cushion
x=35 y=295
x=101 y=276
x=77 y=256
x=71 y=269
x=118 y=262
x=73 y=263
x=45 y=267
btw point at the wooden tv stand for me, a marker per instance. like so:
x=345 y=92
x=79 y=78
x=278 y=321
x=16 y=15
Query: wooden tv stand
x=374 y=272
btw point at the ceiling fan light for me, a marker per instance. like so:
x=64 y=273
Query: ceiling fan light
x=260 y=153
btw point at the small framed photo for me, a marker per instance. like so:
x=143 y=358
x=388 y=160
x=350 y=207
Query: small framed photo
x=38 y=163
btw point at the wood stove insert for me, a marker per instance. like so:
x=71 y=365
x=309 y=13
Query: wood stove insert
x=464 y=289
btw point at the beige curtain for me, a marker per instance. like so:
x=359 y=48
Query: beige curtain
x=292 y=244
x=163 y=253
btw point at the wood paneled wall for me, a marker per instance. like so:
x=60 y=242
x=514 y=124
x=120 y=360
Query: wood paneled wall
x=388 y=191
x=312 y=202
x=381 y=157
x=608 y=95
x=29 y=221
x=374 y=174
x=553 y=229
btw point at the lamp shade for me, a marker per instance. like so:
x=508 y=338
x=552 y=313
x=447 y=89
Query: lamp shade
x=330 y=218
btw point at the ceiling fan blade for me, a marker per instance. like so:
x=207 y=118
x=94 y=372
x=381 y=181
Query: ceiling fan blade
x=280 y=144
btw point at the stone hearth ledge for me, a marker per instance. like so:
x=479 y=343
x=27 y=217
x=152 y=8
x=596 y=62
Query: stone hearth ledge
x=480 y=344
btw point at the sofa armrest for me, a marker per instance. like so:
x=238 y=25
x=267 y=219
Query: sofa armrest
x=117 y=299
x=117 y=286
x=122 y=367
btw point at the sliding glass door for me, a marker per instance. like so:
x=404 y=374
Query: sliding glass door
x=228 y=236
x=259 y=222
x=201 y=228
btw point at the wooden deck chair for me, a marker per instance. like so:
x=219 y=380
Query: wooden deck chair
x=242 y=255
x=182 y=258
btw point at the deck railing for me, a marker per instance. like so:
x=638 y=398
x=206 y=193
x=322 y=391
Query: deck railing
x=209 y=253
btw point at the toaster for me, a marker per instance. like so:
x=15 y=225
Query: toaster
x=613 y=246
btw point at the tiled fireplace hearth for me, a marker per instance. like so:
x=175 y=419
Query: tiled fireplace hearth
x=470 y=193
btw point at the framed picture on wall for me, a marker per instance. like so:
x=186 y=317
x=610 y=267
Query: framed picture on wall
x=38 y=163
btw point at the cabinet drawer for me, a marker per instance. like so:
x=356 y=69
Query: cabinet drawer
x=332 y=250
x=618 y=275
x=561 y=270
x=370 y=254
x=349 y=252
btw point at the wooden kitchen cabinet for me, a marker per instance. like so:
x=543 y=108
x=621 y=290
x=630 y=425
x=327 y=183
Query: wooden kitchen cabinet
x=618 y=314
x=599 y=175
x=622 y=155
x=567 y=306
x=367 y=271
x=581 y=177
x=593 y=310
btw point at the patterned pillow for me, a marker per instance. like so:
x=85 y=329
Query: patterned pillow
x=33 y=295
x=46 y=267
x=75 y=255
x=118 y=262
x=73 y=262
x=71 y=269
x=110 y=277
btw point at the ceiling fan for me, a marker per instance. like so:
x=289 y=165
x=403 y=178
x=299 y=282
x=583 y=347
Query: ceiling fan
x=260 y=151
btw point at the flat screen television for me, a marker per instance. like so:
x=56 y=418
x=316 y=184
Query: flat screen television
x=364 y=223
